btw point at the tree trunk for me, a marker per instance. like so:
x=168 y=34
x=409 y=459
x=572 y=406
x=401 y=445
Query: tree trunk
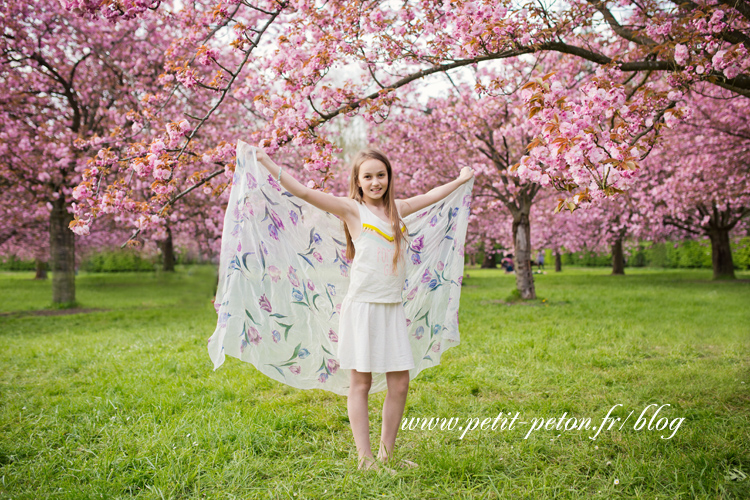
x=489 y=261
x=522 y=257
x=472 y=259
x=558 y=261
x=167 y=252
x=41 y=270
x=721 y=253
x=62 y=253
x=618 y=260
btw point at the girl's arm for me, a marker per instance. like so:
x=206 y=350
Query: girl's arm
x=417 y=203
x=344 y=208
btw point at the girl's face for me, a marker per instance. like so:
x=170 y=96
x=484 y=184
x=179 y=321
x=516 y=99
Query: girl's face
x=373 y=179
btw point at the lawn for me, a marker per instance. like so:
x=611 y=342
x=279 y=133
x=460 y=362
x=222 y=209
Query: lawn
x=121 y=401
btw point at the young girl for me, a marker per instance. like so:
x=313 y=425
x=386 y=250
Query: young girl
x=372 y=325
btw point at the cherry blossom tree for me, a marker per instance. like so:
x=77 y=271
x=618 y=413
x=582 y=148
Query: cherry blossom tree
x=492 y=136
x=68 y=86
x=661 y=48
x=700 y=176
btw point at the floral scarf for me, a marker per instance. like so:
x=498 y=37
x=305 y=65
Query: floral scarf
x=283 y=274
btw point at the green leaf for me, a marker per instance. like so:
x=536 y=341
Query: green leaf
x=279 y=369
x=267 y=199
x=296 y=351
x=312 y=233
x=251 y=317
x=286 y=329
x=307 y=260
x=244 y=259
x=262 y=259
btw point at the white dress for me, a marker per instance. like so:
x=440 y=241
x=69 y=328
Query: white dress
x=284 y=277
x=373 y=336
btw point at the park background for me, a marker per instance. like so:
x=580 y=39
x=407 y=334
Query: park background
x=611 y=136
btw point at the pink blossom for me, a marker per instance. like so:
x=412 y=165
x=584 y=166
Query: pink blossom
x=157 y=147
x=332 y=336
x=731 y=71
x=680 y=54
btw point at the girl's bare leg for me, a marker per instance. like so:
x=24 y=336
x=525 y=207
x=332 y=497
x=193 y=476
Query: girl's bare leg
x=356 y=404
x=393 y=410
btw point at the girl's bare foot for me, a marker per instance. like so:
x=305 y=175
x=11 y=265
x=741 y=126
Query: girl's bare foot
x=403 y=464
x=407 y=464
x=369 y=463
x=366 y=463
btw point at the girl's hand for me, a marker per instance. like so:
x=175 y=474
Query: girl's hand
x=260 y=153
x=466 y=174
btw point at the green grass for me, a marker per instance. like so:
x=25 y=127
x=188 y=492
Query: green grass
x=124 y=403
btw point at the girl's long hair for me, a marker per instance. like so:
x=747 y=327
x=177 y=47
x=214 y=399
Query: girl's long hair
x=355 y=192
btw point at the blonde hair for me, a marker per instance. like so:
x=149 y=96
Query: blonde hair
x=355 y=192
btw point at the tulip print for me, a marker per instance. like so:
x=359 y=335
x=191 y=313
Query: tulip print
x=274 y=273
x=419 y=332
x=276 y=219
x=332 y=365
x=292 y=275
x=264 y=303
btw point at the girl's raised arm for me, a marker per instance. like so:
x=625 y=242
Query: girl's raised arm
x=342 y=207
x=417 y=203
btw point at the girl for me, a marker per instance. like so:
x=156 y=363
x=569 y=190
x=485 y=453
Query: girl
x=314 y=340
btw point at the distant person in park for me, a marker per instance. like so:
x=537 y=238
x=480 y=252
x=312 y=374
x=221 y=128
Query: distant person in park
x=301 y=253
x=507 y=263
x=540 y=260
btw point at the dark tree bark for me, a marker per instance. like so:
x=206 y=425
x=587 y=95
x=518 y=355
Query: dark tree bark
x=721 y=222
x=558 y=261
x=62 y=253
x=167 y=252
x=489 y=261
x=618 y=259
x=721 y=253
x=41 y=270
x=522 y=256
